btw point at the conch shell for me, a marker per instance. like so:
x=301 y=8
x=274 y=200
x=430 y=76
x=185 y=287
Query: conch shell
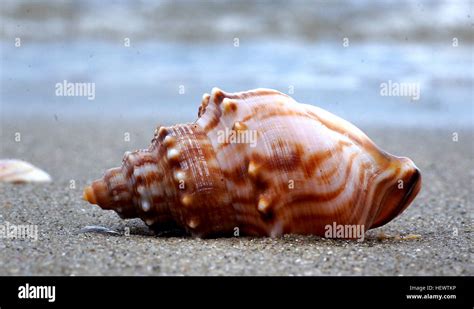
x=259 y=163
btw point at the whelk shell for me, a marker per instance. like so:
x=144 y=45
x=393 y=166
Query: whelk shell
x=285 y=167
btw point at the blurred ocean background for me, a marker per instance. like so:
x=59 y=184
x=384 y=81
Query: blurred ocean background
x=180 y=49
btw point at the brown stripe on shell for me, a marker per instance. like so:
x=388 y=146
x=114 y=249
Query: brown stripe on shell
x=382 y=158
x=374 y=198
x=317 y=159
x=358 y=201
x=213 y=122
x=290 y=203
x=204 y=104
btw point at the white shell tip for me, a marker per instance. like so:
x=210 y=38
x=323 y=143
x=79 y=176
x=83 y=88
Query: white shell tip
x=186 y=200
x=263 y=204
x=169 y=140
x=215 y=90
x=252 y=169
x=179 y=176
x=173 y=154
x=146 y=205
x=193 y=223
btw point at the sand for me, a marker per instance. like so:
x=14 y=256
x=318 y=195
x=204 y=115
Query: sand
x=76 y=152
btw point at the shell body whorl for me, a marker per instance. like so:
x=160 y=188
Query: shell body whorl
x=262 y=164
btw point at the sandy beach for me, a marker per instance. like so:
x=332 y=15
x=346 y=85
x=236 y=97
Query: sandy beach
x=76 y=152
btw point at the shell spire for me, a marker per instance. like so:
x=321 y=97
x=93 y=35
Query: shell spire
x=258 y=163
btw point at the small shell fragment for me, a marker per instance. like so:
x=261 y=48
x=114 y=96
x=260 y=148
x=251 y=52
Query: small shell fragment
x=382 y=236
x=98 y=229
x=18 y=171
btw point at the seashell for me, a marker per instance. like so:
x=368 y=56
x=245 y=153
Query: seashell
x=258 y=163
x=18 y=171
